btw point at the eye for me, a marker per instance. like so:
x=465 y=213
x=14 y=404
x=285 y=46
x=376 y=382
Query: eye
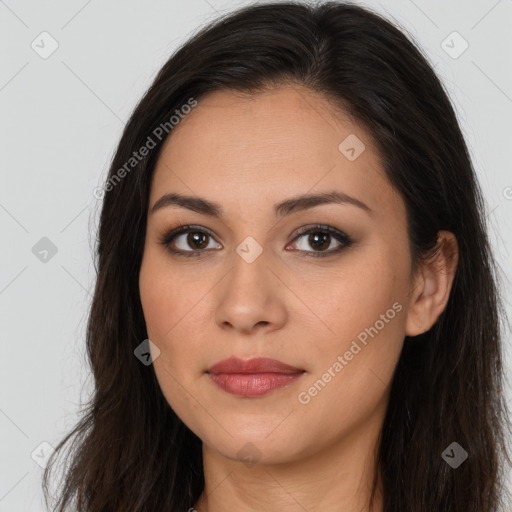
x=320 y=237
x=191 y=237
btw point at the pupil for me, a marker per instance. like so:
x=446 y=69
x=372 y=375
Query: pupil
x=313 y=240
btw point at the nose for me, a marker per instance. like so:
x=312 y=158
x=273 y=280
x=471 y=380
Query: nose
x=251 y=298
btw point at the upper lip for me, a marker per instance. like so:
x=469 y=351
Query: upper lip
x=254 y=365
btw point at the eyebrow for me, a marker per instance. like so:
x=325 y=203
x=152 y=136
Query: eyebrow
x=291 y=205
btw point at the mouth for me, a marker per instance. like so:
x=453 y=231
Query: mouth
x=252 y=377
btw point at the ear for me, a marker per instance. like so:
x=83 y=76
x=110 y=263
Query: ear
x=432 y=285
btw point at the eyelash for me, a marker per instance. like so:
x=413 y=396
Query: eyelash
x=341 y=237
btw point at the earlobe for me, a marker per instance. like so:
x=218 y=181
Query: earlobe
x=432 y=286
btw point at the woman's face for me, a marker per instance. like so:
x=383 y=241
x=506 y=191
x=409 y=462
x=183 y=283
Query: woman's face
x=245 y=283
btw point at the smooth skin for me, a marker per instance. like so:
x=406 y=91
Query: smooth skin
x=248 y=153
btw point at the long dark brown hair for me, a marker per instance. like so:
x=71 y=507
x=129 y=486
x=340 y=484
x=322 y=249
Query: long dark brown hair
x=129 y=451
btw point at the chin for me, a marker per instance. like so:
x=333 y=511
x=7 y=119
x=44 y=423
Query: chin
x=256 y=447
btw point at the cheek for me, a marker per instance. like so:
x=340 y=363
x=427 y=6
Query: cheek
x=156 y=299
x=168 y=307
x=174 y=311
x=165 y=297
x=363 y=318
x=354 y=295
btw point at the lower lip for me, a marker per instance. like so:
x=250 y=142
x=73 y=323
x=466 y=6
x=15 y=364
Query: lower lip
x=253 y=384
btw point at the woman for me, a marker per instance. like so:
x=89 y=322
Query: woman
x=296 y=306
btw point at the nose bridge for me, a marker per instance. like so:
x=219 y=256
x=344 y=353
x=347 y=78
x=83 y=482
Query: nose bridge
x=250 y=273
x=250 y=294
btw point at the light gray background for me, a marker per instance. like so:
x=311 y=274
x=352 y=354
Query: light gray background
x=61 y=118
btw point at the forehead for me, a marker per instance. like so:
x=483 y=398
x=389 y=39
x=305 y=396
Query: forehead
x=247 y=149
